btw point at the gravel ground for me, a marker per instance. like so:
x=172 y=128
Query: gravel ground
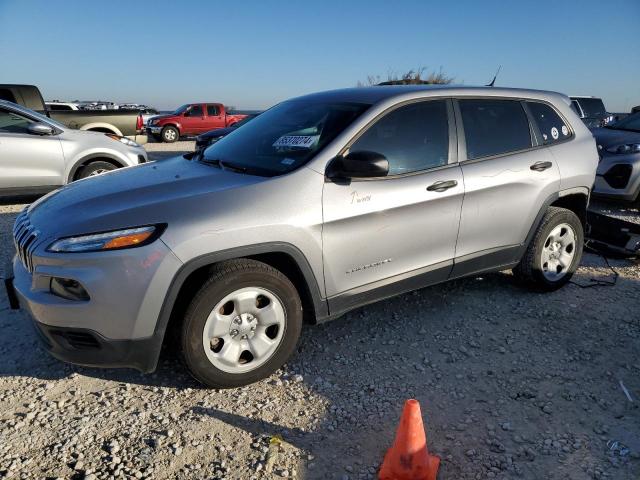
x=512 y=384
x=161 y=151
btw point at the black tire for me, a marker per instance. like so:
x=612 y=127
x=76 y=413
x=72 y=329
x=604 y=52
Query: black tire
x=227 y=277
x=94 y=168
x=170 y=134
x=529 y=271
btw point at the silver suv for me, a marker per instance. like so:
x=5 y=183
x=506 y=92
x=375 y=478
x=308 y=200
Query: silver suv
x=322 y=204
x=38 y=154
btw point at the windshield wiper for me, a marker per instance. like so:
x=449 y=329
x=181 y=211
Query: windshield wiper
x=224 y=165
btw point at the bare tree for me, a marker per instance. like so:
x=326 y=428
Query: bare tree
x=419 y=76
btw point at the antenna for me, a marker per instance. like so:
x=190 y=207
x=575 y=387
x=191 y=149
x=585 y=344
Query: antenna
x=494 y=77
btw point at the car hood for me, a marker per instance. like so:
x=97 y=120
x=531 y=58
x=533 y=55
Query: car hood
x=607 y=137
x=147 y=194
x=156 y=118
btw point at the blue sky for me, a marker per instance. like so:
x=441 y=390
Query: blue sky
x=253 y=54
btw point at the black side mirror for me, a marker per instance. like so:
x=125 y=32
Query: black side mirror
x=359 y=164
x=40 y=129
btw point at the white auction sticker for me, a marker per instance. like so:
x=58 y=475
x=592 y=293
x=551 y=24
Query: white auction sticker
x=554 y=133
x=300 y=141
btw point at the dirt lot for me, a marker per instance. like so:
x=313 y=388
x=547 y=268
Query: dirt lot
x=512 y=385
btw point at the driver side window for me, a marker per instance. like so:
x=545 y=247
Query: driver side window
x=412 y=138
x=195 y=111
x=13 y=123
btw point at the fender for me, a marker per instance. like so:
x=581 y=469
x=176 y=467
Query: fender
x=170 y=123
x=319 y=303
x=104 y=125
x=91 y=156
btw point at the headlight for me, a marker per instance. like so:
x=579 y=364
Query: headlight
x=115 y=240
x=625 y=148
x=125 y=140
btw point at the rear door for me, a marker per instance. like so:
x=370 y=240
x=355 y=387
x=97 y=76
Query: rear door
x=215 y=117
x=27 y=162
x=380 y=232
x=508 y=175
x=194 y=120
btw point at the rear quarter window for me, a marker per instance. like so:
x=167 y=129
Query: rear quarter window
x=552 y=127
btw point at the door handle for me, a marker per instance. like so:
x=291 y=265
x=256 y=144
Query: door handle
x=541 y=166
x=442 y=186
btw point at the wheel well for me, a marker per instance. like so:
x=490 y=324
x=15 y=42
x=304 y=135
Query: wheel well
x=278 y=260
x=171 y=125
x=577 y=203
x=84 y=163
x=101 y=130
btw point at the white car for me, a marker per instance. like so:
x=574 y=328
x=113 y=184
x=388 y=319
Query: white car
x=38 y=154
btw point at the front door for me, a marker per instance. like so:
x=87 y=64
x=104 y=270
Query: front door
x=28 y=162
x=193 y=121
x=508 y=177
x=380 y=232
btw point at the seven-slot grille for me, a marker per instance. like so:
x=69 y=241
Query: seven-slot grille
x=24 y=238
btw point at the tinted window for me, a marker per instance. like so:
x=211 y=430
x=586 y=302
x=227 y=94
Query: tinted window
x=58 y=108
x=13 y=123
x=6 y=94
x=212 y=110
x=592 y=107
x=413 y=138
x=492 y=127
x=195 y=111
x=552 y=127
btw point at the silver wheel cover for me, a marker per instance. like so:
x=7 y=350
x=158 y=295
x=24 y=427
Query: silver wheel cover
x=244 y=330
x=558 y=252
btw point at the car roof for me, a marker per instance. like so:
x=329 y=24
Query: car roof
x=379 y=93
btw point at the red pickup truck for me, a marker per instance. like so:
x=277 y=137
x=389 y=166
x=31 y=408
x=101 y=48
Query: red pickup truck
x=190 y=119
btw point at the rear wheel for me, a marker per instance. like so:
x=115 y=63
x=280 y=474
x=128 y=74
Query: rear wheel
x=242 y=325
x=555 y=252
x=170 y=134
x=95 y=168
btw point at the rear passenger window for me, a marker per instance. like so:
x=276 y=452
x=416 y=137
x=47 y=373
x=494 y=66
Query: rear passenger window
x=552 y=127
x=413 y=138
x=212 y=110
x=493 y=127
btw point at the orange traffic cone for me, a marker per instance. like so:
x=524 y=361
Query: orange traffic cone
x=408 y=458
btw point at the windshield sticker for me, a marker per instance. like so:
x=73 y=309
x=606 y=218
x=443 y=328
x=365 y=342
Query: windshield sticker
x=565 y=130
x=554 y=133
x=288 y=161
x=299 y=141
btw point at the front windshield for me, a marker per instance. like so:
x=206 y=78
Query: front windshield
x=284 y=137
x=180 y=109
x=632 y=122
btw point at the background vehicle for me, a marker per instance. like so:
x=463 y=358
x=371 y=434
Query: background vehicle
x=593 y=112
x=212 y=136
x=320 y=205
x=123 y=123
x=61 y=106
x=38 y=154
x=618 y=174
x=191 y=119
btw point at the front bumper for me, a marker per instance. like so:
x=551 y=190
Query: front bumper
x=618 y=177
x=116 y=327
x=153 y=130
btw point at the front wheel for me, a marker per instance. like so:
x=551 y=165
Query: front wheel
x=95 y=168
x=170 y=134
x=555 y=252
x=242 y=325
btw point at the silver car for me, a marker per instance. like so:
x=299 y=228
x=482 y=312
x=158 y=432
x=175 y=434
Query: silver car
x=618 y=175
x=322 y=204
x=38 y=154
